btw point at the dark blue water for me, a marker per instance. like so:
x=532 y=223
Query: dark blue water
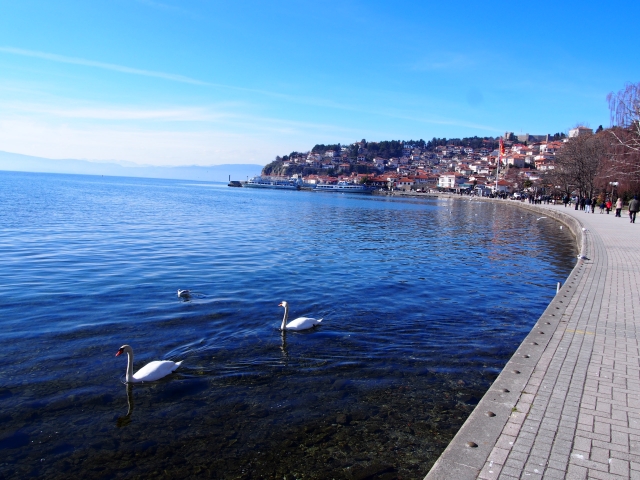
x=424 y=301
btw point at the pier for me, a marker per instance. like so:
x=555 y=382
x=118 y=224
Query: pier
x=567 y=404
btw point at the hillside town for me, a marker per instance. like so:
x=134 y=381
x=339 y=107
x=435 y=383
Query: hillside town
x=518 y=163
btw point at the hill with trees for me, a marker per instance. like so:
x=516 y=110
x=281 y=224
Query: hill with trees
x=295 y=162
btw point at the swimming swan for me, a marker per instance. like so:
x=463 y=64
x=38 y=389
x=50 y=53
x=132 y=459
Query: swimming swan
x=302 y=323
x=151 y=371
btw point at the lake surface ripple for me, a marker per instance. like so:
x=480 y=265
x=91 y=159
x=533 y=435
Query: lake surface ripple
x=424 y=301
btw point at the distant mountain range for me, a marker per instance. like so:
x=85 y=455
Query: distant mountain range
x=214 y=173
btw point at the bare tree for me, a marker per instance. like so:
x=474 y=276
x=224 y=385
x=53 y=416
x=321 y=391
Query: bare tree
x=561 y=178
x=580 y=162
x=624 y=107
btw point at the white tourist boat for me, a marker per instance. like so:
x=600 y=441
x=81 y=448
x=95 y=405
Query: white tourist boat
x=343 y=187
x=259 y=181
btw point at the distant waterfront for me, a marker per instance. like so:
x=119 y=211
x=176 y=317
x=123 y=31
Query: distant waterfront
x=424 y=301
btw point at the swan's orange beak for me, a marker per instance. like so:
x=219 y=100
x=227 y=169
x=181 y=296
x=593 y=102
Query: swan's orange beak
x=119 y=352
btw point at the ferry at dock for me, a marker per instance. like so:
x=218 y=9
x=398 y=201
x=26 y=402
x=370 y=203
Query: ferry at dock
x=343 y=187
x=279 y=183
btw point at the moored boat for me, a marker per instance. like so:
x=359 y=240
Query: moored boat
x=260 y=181
x=343 y=187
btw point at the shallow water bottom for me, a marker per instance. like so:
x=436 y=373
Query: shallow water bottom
x=250 y=427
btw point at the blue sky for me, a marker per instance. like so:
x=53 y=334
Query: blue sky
x=164 y=82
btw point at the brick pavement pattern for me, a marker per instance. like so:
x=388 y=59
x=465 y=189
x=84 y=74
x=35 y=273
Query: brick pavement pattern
x=579 y=415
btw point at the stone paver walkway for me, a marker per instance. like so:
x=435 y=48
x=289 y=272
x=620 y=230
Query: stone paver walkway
x=578 y=417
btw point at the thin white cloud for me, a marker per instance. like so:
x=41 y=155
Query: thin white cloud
x=106 y=66
x=163 y=75
x=227 y=116
x=137 y=71
x=98 y=112
x=320 y=102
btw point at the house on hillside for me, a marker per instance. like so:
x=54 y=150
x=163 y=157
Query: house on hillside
x=378 y=182
x=503 y=187
x=464 y=169
x=578 y=131
x=544 y=163
x=425 y=181
x=516 y=160
x=379 y=162
x=451 y=181
x=404 y=183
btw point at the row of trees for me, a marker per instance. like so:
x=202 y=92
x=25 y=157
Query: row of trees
x=609 y=160
x=489 y=143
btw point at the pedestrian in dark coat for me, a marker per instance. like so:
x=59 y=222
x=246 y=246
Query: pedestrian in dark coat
x=634 y=207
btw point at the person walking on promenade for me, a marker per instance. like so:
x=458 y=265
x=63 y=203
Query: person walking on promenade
x=619 y=203
x=594 y=202
x=587 y=205
x=634 y=207
x=608 y=205
x=582 y=203
x=565 y=200
x=602 y=205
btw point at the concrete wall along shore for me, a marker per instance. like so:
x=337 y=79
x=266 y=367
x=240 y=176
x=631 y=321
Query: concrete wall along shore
x=506 y=403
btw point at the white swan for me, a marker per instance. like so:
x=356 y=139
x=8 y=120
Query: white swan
x=302 y=323
x=151 y=371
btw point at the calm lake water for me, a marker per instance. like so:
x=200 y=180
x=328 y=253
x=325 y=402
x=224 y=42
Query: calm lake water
x=424 y=301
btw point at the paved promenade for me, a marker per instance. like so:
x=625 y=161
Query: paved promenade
x=567 y=404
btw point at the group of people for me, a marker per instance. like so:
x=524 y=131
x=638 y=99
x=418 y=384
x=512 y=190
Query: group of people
x=588 y=205
x=540 y=199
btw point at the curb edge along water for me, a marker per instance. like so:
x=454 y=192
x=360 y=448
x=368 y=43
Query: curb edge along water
x=466 y=454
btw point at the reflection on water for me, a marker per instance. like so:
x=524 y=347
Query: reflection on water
x=423 y=303
x=126 y=419
x=285 y=353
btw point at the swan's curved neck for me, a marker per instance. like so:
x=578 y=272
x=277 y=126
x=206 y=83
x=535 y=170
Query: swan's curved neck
x=284 y=319
x=129 y=377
